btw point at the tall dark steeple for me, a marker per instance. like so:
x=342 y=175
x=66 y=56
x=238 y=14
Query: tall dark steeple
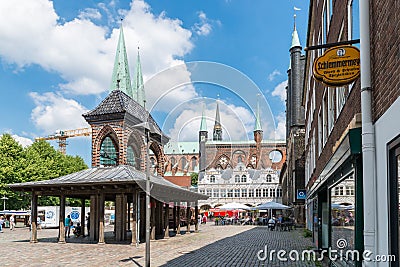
x=217 y=133
x=295 y=81
x=203 y=134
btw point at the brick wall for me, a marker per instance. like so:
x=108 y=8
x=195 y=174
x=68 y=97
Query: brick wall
x=385 y=54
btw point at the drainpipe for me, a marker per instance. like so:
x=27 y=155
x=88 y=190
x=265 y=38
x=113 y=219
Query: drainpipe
x=368 y=137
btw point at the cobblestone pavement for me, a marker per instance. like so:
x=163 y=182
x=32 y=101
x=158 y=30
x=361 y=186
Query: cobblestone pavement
x=212 y=246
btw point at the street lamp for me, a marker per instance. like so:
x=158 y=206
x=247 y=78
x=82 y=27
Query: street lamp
x=4 y=198
x=147 y=127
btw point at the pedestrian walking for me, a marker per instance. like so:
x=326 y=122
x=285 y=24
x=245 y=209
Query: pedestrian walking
x=1 y=224
x=68 y=223
x=12 y=223
x=88 y=223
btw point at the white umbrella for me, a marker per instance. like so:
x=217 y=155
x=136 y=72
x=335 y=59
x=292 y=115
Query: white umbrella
x=234 y=206
x=272 y=206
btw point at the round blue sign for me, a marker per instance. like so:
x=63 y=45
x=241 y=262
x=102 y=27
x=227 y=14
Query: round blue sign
x=74 y=215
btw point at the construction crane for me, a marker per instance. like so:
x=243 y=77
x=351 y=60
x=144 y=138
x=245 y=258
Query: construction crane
x=61 y=137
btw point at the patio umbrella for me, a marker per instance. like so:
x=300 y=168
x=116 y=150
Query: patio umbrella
x=234 y=206
x=272 y=206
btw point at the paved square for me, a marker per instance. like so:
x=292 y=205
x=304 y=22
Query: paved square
x=212 y=246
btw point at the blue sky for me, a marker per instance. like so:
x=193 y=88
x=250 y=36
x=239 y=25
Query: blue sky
x=57 y=57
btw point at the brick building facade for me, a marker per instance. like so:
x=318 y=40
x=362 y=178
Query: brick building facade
x=333 y=163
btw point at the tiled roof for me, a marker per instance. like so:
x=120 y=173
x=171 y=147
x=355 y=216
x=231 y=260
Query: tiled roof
x=119 y=102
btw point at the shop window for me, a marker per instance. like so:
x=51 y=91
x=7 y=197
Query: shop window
x=342 y=216
x=394 y=185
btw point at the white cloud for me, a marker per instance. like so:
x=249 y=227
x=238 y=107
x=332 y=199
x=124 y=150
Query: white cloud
x=82 y=52
x=202 y=28
x=79 y=50
x=54 y=112
x=22 y=140
x=237 y=122
x=89 y=13
x=280 y=130
x=280 y=90
x=273 y=75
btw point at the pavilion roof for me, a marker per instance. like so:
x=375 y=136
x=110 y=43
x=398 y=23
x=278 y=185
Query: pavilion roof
x=123 y=174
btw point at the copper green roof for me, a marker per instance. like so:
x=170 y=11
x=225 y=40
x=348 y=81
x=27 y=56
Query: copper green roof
x=203 y=123
x=295 y=36
x=138 y=86
x=121 y=79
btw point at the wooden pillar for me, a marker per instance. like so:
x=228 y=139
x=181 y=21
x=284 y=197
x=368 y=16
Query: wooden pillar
x=61 y=231
x=134 y=218
x=188 y=218
x=178 y=219
x=166 y=221
x=128 y=223
x=101 y=218
x=34 y=217
x=174 y=215
x=153 y=219
x=118 y=218
x=93 y=218
x=124 y=215
x=159 y=219
x=196 y=219
x=83 y=216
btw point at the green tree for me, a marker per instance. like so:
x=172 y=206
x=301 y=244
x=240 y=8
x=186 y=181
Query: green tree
x=194 y=177
x=11 y=167
x=37 y=162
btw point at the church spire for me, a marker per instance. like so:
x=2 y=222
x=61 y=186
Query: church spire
x=138 y=86
x=121 y=79
x=203 y=123
x=217 y=135
x=295 y=35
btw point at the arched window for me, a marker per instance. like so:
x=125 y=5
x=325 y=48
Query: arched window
x=153 y=162
x=108 y=153
x=130 y=156
x=244 y=178
x=240 y=159
x=269 y=178
x=173 y=162
x=237 y=179
x=212 y=179
x=194 y=161
x=183 y=163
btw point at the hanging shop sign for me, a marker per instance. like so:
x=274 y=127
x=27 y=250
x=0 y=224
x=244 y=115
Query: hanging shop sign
x=338 y=66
